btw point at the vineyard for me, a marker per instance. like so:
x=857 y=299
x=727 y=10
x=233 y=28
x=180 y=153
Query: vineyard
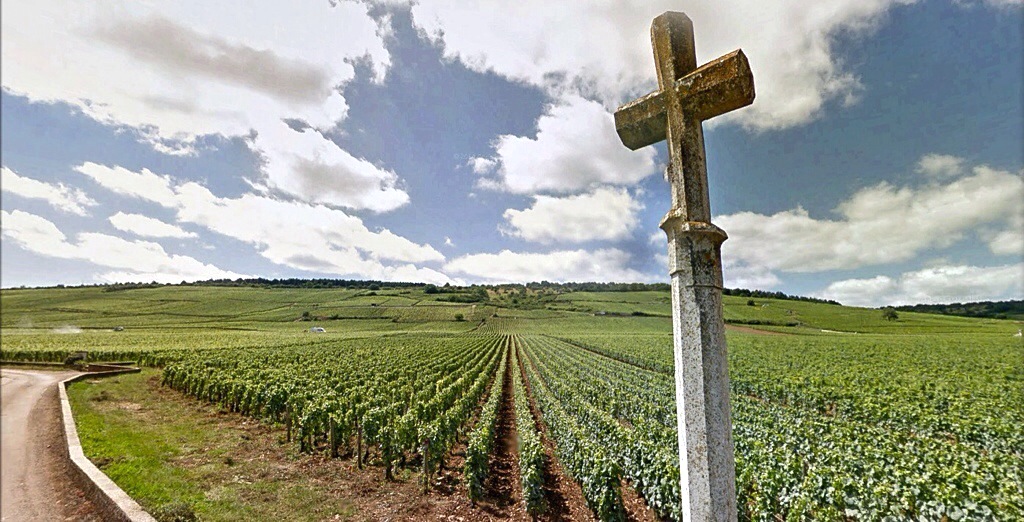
x=838 y=414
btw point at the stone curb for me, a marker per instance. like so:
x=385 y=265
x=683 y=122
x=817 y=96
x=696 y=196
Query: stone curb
x=112 y=502
x=34 y=363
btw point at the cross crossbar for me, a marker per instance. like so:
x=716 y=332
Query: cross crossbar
x=715 y=88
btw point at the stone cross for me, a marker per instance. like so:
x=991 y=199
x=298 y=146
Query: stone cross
x=686 y=96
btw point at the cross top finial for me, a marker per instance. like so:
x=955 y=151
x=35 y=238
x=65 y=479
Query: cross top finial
x=675 y=55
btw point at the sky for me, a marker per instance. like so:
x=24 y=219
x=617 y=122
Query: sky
x=882 y=161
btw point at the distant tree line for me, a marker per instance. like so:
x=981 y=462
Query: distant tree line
x=989 y=309
x=261 y=282
x=598 y=287
x=295 y=282
x=472 y=293
x=762 y=294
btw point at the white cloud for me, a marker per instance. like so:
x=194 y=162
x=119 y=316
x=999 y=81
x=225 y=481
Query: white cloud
x=1002 y=4
x=942 y=284
x=602 y=49
x=290 y=233
x=940 y=166
x=34 y=233
x=482 y=165
x=175 y=71
x=308 y=165
x=605 y=214
x=288 y=229
x=133 y=260
x=184 y=69
x=738 y=275
x=1010 y=241
x=877 y=225
x=146 y=226
x=143 y=184
x=448 y=241
x=606 y=265
x=575 y=149
x=861 y=292
x=59 y=196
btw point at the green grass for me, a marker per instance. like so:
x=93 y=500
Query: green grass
x=161 y=455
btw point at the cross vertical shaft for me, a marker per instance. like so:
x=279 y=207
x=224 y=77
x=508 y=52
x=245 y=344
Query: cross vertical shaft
x=687 y=95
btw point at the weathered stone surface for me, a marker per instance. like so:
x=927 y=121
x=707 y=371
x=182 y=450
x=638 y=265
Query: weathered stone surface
x=688 y=95
x=643 y=121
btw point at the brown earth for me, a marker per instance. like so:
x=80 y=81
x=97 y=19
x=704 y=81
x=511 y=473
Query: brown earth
x=35 y=474
x=563 y=496
x=503 y=498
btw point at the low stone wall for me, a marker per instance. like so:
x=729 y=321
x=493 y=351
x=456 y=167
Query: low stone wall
x=111 y=501
x=96 y=367
x=36 y=364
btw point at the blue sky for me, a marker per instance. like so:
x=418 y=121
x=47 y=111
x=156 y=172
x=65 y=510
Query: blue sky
x=882 y=161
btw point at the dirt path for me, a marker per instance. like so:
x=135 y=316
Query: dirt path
x=34 y=474
x=564 y=497
x=504 y=493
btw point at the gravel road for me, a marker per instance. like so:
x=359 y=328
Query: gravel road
x=34 y=474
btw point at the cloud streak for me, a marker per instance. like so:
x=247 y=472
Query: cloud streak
x=295 y=234
x=59 y=196
x=146 y=226
x=132 y=260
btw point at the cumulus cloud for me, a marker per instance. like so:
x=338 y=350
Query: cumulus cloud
x=878 y=225
x=607 y=53
x=605 y=214
x=942 y=284
x=174 y=72
x=299 y=235
x=576 y=148
x=132 y=260
x=308 y=165
x=146 y=226
x=605 y=265
x=59 y=196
